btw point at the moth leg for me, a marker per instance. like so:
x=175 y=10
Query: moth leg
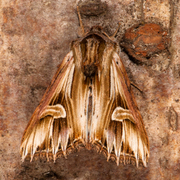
x=119 y=114
x=57 y=111
x=80 y=20
x=132 y=84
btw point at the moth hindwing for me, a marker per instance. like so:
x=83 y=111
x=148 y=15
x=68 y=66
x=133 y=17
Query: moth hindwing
x=90 y=102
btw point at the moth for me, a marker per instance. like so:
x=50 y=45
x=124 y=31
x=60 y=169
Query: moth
x=89 y=102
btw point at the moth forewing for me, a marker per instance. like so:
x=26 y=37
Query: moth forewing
x=89 y=101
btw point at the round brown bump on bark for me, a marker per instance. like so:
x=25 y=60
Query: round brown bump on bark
x=141 y=41
x=92 y=7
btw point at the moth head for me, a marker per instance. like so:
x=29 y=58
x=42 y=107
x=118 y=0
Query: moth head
x=92 y=49
x=96 y=29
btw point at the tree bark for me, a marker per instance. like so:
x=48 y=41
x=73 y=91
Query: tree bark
x=35 y=36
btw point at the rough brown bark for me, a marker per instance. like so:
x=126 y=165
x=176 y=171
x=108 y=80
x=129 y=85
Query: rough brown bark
x=36 y=35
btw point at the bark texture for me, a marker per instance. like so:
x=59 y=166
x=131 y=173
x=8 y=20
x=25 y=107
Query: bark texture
x=34 y=38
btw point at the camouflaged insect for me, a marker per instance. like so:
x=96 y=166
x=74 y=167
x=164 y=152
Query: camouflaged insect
x=89 y=102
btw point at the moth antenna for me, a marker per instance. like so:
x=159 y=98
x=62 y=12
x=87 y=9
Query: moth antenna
x=80 y=20
x=116 y=31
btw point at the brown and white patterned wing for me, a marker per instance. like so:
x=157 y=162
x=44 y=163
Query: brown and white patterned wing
x=51 y=127
x=117 y=123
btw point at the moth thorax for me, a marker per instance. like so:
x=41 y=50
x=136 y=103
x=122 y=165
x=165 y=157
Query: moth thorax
x=91 y=61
